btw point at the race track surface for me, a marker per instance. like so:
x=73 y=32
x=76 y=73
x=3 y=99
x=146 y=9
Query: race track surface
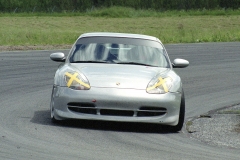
x=26 y=132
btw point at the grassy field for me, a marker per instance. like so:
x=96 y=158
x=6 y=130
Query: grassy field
x=34 y=29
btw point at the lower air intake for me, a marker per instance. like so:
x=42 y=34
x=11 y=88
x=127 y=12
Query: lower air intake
x=151 y=111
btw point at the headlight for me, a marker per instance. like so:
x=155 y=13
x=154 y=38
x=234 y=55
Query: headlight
x=77 y=81
x=159 y=85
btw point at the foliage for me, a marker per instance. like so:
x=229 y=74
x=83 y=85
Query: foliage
x=86 y=5
x=127 y=12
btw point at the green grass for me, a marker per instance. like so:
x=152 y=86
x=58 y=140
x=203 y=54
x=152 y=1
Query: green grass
x=169 y=26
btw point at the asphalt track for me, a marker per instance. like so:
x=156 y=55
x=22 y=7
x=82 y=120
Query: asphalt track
x=26 y=132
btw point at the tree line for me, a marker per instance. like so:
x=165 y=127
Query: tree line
x=84 y=5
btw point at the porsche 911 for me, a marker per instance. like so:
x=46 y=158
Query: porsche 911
x=118 y=77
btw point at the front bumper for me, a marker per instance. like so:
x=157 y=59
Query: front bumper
x=112 y=104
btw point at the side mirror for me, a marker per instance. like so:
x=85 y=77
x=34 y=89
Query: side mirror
x=180 y=63
x=58 y=57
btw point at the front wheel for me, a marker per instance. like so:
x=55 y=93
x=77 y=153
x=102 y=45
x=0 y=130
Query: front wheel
x=53 y=119
x=179 y=126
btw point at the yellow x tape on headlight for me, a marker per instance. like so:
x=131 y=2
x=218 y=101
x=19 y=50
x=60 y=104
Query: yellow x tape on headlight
x=73 y=77
x=161 y=82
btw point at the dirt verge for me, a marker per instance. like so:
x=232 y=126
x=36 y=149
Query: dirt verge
x=34 y=47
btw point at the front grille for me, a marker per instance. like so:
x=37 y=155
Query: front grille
x=90 y=108
x=111 y=112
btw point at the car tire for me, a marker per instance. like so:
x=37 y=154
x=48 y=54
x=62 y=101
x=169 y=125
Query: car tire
x=179 y=126
x=53 y=119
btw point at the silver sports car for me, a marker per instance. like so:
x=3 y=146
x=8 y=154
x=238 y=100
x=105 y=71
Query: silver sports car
x=118 y=77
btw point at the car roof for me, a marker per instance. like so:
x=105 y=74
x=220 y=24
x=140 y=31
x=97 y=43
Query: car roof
x=122 y=35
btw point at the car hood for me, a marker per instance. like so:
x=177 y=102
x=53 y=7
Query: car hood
x=118 y=75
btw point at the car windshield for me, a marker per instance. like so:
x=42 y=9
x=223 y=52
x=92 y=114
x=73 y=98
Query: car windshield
x=120 y=53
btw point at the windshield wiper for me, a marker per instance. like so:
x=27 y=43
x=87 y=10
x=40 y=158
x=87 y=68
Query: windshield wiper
x=134 y=63
x=89 y=61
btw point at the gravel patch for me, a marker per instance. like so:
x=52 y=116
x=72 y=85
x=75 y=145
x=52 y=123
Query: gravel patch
x=221 y=127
